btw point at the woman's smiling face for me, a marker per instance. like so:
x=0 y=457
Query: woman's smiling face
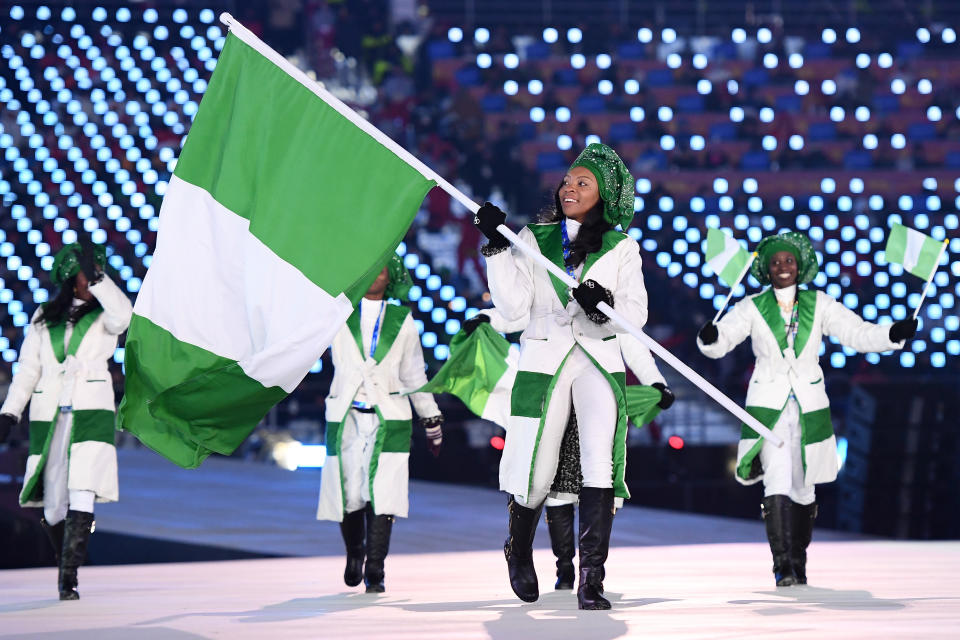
x=783 y=269
x=578 y=193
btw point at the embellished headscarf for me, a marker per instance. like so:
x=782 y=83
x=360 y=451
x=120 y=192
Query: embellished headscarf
x=796 y=243
x=66 y=263
x=613 y=180
x=400 y=280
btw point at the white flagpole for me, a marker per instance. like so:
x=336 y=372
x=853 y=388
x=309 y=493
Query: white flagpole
x=926 y=287
x=651 y=344
x=753 y=256
x=253 y=41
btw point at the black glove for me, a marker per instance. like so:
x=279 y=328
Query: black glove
x=666 y=396
x=903 y=329
x=7 y=422
x=434 y=433
x=488 y=218
x=709 y=333
x=88 y=264
x=471 y=325
x=589 y=294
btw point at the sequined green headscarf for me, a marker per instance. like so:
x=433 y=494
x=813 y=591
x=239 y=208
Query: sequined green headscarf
x=796 y=243
x=614 y=181
x=400 y=280
x=66 y=263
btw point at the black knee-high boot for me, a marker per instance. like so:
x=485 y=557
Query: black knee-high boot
x=379 y=528
x=777 y=513
x=55 y=535
x=77 y=530
x=560 y=524
x=596 y=523
x=518 y=549
x=803 y=517
x=352 y=529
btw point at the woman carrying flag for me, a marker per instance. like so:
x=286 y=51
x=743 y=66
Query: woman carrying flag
x=569 y=355
x=376 y=356
x=787 y=325
x=63 y=373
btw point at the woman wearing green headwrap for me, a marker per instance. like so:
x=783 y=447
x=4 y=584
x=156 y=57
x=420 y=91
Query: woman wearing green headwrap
x=63 y=373
x=569 y=357
x=786 y=325
x=376 y=356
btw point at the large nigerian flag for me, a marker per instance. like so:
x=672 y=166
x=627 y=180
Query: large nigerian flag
x=726 y=257
x=481 y=370
x=917 y=252
x=278 y=205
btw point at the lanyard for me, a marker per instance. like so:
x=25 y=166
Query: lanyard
x=566 y=249
x=794 y=321
x=376 y=326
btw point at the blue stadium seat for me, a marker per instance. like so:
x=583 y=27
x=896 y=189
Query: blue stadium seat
x=755 y=161
x=527 y=131
x=858 y=159
x=538 y=51
x=756 y=77
x=493 y=103
x=816 y=51
x=565 y=77
x=822 y=131
x=885 y=103
x=620 y=131
x=660 y=78
x=909 y=50
x=468 y=76
x=921 y=131
x=720 y=131
x=440 y=50
x=551 y=161
x=591 y=103
x=631 y=51
x=952 y=159
x=791 y=103
x=690 y=103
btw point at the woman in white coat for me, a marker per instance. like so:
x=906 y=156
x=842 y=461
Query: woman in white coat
x=786 y=325
x=569 y=355
x=63 y=374
x=363 y=485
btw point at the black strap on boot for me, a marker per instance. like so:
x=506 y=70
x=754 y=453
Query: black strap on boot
x=77 y=530
x=596 y=523
x=352 y=529
x=803 y=518
x=55 y=535
x=518 y=549
x=777 y=514
x=379 y=528
x=560 y=525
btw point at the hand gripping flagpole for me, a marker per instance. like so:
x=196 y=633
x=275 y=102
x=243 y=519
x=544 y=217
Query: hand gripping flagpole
x=746 y=268
x=250 y=39
x=926 y=287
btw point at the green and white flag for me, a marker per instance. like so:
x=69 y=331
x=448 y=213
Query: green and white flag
x=480 y=371
x=726 y=257
x=280 y=205
x=917 y=252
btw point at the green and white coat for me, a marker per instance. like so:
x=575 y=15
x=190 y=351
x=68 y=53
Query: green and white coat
x=781 y=369
x=519 y=288
x=397 y=366
x=66 y=365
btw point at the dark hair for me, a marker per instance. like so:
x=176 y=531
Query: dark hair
x=61 y=308
x=589 y=238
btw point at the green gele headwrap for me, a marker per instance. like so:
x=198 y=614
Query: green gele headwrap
x=66 y=263
x=796 y=243
x=400 y=280
x=614 y=181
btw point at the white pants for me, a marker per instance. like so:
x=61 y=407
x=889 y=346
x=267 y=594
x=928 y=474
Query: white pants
x=57 y=498
x=783 y=466
x=596 y=407
x=356 y=449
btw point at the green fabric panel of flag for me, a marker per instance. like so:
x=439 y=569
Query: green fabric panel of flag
x=476 y=364
x=201 y=403
x=270 y=150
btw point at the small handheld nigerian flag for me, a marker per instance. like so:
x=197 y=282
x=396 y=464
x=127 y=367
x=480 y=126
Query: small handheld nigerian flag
x=917 y=252
x=480 y=371
x=726 y=257
x=280 y=206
